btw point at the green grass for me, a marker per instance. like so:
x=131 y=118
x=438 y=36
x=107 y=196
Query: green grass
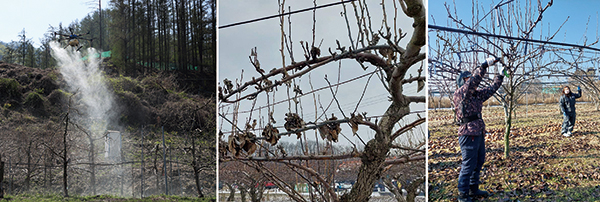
x=34 y=99
x=100 y=198
x=123 y=83
x=543 y=165
x=10 y=86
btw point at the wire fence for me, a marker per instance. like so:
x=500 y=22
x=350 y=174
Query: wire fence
x=144 y=166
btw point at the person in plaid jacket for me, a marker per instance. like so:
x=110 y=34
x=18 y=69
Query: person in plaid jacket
x=468 y=102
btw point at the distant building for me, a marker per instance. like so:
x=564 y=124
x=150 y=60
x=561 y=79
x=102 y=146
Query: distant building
x=551 y=90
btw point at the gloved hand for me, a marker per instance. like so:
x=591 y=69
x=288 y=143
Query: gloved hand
x=505 y=72
x=578 y=88
x=490 y=61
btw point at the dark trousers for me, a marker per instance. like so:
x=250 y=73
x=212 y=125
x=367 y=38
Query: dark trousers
x=568 y=122
x=473 y=157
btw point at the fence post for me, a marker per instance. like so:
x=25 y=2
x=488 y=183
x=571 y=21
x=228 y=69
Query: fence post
x=165 y=160
x=527 y=104
x=179 y=176
x=122 y=159
x=1 y=177
x=10 y=175
x=171 y=164
x=142 y=185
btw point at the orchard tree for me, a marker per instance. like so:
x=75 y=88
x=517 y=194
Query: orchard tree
x=386 y=51
x=496 y=32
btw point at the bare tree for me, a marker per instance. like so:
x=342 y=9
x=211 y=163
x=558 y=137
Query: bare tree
x=454 y=52
x=577 y=65
x=381 y=49
x=63 y=153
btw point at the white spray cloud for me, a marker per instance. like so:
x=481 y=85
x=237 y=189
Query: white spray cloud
x=86 y=79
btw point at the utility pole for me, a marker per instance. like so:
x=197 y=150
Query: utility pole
x=100 y=13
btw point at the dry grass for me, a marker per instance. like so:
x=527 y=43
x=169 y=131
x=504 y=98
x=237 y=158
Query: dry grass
x=543 y=165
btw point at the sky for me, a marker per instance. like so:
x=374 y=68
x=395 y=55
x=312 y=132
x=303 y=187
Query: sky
x=580 y=18
x=35 y=16
x=236 y=42
x=577 y=12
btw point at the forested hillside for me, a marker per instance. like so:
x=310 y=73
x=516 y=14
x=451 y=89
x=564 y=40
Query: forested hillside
x=159 y=34
x=157 y=61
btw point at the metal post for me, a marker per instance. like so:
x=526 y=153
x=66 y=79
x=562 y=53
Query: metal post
x=527 y=104
x=1 y=177
x=100 y=14
x=170 y=163
x=165 y=160
x=179 y=177
x=142 y=185
x=439 y=103
x=10 y=175
x=121 y=162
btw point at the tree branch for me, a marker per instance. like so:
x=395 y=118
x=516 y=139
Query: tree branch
x=408 y=127
x=289 y=158
x=404 y=160
x=312 y=64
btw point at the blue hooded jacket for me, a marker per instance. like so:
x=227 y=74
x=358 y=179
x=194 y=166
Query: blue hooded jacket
x=567 y=102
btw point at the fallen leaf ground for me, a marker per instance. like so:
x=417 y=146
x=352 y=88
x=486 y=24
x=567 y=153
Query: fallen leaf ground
x=543 y=165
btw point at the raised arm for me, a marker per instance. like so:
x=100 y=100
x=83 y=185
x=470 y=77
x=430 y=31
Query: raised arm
x=578 y=94
x=487 y=92
x=471 y=84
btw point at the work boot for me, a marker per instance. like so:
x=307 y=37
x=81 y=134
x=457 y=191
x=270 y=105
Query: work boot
x=475 y=191
x=464 y=197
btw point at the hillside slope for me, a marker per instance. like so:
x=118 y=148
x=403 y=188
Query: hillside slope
x=34 y=102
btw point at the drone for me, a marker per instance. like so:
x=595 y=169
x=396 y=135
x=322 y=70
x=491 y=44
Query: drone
x=73 y=39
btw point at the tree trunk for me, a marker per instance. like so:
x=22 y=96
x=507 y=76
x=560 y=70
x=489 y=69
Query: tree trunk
x=412 y=188
x=197 y=179
x=508 y=121
x=45 y=175
x=256 y=191
x=92 y=166
x=374 y=155
x=394 y=189
x=242 y=193
x=196 y=167
x=65 y=159
x=231 y=192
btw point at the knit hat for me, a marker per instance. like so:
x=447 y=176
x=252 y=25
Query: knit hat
x=461 y=78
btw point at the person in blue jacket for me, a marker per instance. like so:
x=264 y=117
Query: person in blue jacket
x=567 y=107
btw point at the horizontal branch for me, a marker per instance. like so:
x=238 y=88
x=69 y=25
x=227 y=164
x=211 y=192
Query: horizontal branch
x=408 y=127
x=404 y=160
x=312 y=64
x=288 y=158
x=410 y=80
x=407 y=148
